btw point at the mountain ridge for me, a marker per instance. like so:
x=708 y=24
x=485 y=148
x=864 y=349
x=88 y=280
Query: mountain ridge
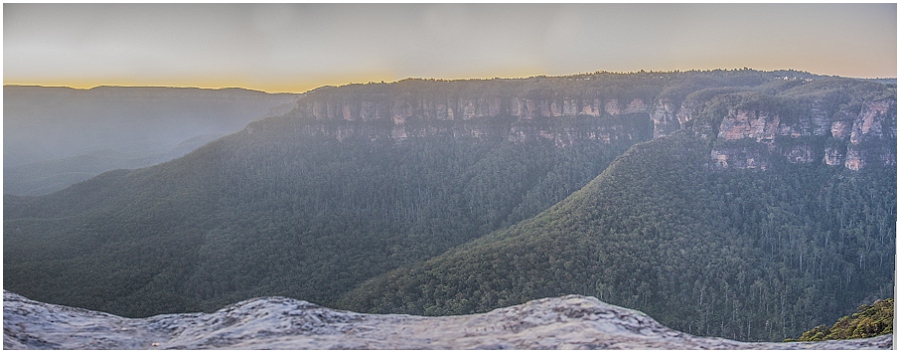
x=638 y=240
x=46 y=129
x=841 y=112
x=321 y=201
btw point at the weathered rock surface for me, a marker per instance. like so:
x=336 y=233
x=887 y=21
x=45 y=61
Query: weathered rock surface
x=863 y=132
x=571 y=322
x=565 y=109
x=562 y=119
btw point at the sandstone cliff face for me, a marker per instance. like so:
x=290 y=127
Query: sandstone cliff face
x=859 y=134
x=868 y=127
x=666 y=119
x=406 y=107
x=852 y=133
x=560 y=119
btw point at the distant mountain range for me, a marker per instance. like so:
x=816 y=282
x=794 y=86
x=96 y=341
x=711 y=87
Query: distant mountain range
x=742 y=204
x=57 y=136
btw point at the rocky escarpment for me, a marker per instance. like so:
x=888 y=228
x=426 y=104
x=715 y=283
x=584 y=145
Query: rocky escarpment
x=405 y=106
x=400 y=115
x=832 y=121
x=571 y=322
x=852 y=135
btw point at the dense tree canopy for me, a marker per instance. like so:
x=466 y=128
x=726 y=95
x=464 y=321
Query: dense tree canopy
x=269 y=213
x=464 y=216
x=743 y=254
x=868 y=321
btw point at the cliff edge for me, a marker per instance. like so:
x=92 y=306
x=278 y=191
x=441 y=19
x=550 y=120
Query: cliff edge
x=570 y=322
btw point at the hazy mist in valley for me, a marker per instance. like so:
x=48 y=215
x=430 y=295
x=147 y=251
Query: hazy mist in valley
x=728 y=169
x=55 y=136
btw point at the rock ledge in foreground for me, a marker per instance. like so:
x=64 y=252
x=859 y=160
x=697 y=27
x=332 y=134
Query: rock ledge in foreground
x=570 y=322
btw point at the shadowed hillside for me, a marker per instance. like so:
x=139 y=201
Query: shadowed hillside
x=761 y=202
x=55 y=136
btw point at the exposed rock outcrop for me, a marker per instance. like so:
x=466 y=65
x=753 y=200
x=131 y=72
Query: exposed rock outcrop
x=826 y=122
x=400 y=116
x=571 y=322
x=856 y=137
x=403 y=107
x=666 y=119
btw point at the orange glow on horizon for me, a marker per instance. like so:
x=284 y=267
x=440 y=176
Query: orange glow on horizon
x=305 y=85
x=299 y=47
x=281 y=86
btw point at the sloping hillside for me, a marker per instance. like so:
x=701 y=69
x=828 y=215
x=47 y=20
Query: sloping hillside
x=764 y=202
x=747 y=254
x=292 y=207
x=56 y=136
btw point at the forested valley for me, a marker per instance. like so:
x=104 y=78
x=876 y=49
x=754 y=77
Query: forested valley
x=743 y=204
x=308 y=218
x=741 y=254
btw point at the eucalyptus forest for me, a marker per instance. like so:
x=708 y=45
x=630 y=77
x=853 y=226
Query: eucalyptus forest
x=743 y=204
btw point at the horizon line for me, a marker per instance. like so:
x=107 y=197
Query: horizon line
x=87 y=88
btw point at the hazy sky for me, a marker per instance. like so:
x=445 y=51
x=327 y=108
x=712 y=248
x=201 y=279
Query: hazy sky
x=296 y=47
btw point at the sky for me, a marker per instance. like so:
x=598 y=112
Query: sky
x=298 y=47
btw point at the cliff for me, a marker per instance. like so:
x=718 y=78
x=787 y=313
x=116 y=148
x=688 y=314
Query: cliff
x=750 y=121
x=368 y=184
x=852 y=136
x=399 y=111
x=571 y=322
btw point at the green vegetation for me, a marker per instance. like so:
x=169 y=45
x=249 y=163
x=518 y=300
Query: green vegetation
x=748 y=255
x=462 y=216
x=868 y=321
x=279 y=212
x=55 y=136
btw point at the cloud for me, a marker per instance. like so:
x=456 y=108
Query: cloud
x=284 y=42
